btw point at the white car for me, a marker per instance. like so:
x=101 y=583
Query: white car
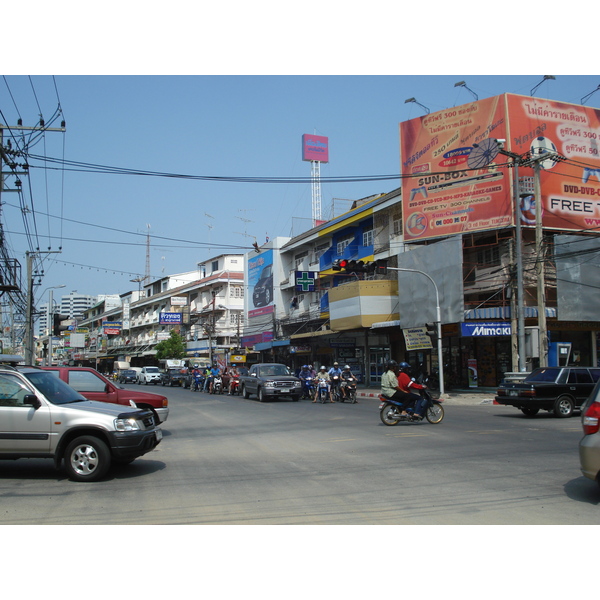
x=149 y=375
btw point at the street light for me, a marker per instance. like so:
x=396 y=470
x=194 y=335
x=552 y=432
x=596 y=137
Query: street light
x=438 y=320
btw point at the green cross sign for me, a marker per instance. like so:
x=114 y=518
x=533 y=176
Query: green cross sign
x=304 y=281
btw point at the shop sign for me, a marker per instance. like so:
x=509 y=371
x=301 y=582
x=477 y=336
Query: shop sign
x=416 y=338
x=170 y=318
x=349 y=343
x=485 y=329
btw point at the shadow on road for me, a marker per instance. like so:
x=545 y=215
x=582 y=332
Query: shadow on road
x=583 y=490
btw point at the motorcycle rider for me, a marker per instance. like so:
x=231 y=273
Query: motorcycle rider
x=323 y=374
x=334 y=372
x=214 y=372
x=345 y=377
x=390 y=387
x=406 y=383
x=233 y=374
x=305 y=373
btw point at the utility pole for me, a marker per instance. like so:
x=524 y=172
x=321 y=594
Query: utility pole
x=5 y=153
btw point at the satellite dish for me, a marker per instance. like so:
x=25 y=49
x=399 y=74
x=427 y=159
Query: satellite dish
x=483 y=154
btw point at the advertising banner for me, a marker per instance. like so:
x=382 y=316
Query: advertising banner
x=485 y=329
x=260 y=281
x=112 y=328
x=449 y=180
x=570 y=189
x=455 y=180
x=416 y=338
x=315 y=147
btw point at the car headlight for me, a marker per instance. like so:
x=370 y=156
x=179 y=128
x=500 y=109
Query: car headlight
x=127 y=425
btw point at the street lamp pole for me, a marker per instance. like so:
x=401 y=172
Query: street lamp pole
x=438 y=321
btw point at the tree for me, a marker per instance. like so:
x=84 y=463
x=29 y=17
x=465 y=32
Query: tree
x=174 y=347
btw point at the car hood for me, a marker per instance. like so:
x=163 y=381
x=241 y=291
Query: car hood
x=135 y=395
x=104 y=408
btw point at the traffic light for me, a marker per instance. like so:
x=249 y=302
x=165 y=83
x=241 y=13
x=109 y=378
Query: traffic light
x=381 y=266
x=339 y=264
x=431 y=330
x=56 y=323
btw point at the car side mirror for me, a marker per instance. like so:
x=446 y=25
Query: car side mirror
x=33 y=400
x=252 y=374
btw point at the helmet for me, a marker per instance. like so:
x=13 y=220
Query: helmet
x=347 y=368
x=305 y=366
x=335 y=364
x=392 y=365
x=404 y=366
x=323 y=369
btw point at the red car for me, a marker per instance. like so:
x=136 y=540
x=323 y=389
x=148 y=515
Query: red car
x=93 y=386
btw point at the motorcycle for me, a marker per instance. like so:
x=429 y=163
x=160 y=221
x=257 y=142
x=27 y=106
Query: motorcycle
x=308 y=388
x=322 y=391
x=390 y=410
x=335 y=388
x=217 y=385
x=197 y=383
x=234 y=386
x=350 y=388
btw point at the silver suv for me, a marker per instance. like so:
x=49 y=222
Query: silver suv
x=149 y=375
x=43 y=417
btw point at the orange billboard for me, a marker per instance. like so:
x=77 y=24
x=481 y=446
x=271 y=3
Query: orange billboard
x=454 y=180
x=570 y=187
x=450 y=182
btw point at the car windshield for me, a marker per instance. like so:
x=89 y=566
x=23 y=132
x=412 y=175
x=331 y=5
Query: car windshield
x=54 y=389
x=543 y=375
x=151 y=369
x=272 y=370
x=129 y=373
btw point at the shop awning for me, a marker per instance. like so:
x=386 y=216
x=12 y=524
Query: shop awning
x=380 y=324
x=300 y=336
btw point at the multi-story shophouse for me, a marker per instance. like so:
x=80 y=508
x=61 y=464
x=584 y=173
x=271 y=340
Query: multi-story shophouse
x=315 y=315
x=205 y=306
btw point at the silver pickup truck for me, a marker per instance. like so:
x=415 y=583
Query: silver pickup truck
x=270 y=380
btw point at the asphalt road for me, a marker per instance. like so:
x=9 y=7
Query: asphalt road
x=227 y=460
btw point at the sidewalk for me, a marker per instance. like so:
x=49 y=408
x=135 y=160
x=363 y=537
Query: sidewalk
x=452 y=397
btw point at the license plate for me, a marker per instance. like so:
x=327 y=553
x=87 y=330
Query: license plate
x=513 y=393
x=158 y=433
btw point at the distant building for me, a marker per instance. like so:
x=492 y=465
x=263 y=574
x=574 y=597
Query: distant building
x=73 y=306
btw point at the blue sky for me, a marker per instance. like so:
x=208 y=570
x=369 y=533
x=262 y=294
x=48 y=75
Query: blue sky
x=232 y=126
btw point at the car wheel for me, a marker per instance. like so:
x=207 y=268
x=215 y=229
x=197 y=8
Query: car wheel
x=261 y=395
x=563 y=407
x=245 y=392
x=530 y=412
x=87 y=458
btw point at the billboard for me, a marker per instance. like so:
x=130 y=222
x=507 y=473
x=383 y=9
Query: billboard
x=454 y=180
x=569 y=188
x=315 y=147
x=449 y=180
x=260 y=280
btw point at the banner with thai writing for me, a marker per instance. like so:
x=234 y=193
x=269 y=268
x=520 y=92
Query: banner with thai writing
x=570 y=188
x=450 y=181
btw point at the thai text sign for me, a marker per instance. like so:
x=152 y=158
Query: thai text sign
x=416 y=338
x=170 y=318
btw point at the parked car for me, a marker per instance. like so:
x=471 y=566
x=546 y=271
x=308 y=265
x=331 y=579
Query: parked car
x=589 y=446
x=93 y=386
x=557 y=389
x=149 y=375
x=127 y=376
x=43 y=417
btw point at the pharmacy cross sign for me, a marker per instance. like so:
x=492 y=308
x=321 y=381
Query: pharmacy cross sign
x=305 y=281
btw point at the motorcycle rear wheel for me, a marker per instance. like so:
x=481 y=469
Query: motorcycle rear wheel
x=389 y=415
x=435 y=414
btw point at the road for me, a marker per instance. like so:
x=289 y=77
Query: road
x=227 y=460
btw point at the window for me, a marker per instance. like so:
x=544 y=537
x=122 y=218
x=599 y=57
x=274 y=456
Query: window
x=489 y=256
x=84 y=381
x=215 y=265
x=343 y=244
x=368 y=237
x=236 y=291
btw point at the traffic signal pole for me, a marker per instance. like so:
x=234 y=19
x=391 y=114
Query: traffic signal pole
x=438 y=321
